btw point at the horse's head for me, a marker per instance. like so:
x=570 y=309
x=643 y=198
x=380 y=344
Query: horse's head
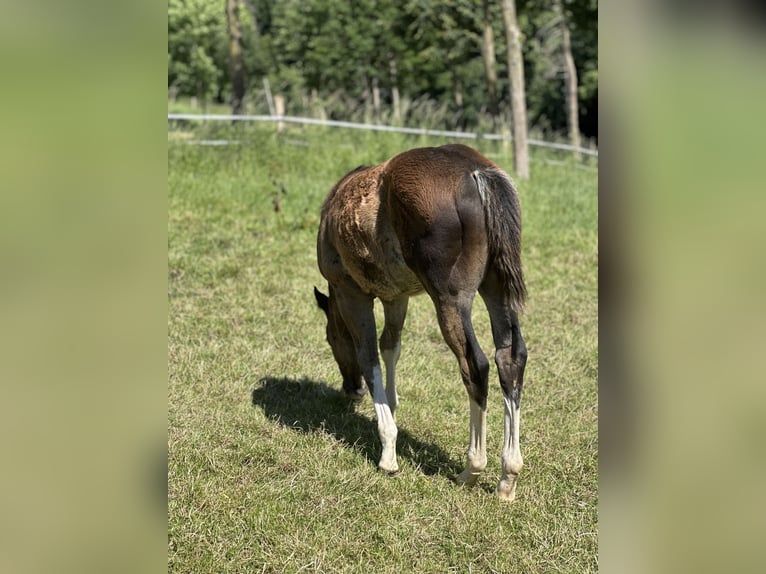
x=342 y=346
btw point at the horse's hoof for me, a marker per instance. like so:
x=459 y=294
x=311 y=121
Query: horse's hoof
x=467 y=478
x=506 y=492
x=390 y=467
x=356 y=395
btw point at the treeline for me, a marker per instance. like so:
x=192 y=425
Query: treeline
x=438 y=64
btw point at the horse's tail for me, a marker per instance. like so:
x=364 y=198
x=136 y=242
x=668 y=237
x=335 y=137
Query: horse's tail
x=503 y=217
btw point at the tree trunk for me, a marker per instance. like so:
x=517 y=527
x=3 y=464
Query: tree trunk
x=236 y=61
x=457 y=92
x=366 y=97
x=516 y=88
x=570 y=83
x=488 y=54
x=315 y=104
x=395 y=99
x=375 y=100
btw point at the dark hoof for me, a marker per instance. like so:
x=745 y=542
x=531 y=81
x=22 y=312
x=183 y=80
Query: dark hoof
x=356 y=395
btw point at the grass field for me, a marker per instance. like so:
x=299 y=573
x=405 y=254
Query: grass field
x=271 y=470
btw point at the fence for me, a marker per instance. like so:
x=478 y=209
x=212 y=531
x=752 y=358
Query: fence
x=373 y=127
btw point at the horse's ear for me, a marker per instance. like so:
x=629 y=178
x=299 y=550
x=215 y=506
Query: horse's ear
x=322 y=300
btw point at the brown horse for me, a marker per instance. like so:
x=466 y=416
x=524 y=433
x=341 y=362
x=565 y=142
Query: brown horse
x=445 y=220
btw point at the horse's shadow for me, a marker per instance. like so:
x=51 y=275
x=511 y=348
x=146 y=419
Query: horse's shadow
x=309 y=406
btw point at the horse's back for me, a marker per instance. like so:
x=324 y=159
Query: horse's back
x=390 y=226
x=357 y=242
x=431 y=173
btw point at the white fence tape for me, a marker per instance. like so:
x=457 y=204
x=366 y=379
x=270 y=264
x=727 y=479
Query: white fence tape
x=373 y=127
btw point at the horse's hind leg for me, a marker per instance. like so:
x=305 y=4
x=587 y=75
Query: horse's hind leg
x=455 y=321
x=391 y=344
x=510 y=358
x=450 y=260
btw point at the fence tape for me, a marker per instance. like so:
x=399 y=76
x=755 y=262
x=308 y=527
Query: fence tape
x=372 y=127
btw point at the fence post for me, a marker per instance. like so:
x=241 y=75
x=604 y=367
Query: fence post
x=505 y=130
x=279 y=107
x=269 y=99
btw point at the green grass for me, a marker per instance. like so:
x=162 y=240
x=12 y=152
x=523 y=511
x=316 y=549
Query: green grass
x=271 y=470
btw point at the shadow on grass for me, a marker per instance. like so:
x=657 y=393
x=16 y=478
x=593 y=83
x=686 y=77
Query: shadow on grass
x=310 y=406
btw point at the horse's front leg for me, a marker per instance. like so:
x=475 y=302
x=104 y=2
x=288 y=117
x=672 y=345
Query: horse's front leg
x=391 y=344
x=358 y=314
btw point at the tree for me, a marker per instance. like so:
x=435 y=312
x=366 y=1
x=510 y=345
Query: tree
x=196 y=48
x=516 y=90
x=488 y=55
x=570 y=79
x=428 y=62
x=445 y=39
x=236 y=61
x=582 y=16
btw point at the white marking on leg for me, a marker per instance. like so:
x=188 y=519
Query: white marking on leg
x=386 y=424
x=477 y=446
x=511 y=458
x=390 y=358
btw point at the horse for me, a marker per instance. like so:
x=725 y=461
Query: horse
x=447 y=221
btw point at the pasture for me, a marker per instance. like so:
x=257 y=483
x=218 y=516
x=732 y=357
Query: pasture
x=270 y=469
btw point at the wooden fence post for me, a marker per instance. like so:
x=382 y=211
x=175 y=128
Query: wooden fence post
x=279 y=108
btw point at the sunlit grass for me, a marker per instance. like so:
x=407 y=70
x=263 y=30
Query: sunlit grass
x=270 y=470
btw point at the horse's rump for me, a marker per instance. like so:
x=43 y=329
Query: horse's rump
x=425 y=183
x=374 y=215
